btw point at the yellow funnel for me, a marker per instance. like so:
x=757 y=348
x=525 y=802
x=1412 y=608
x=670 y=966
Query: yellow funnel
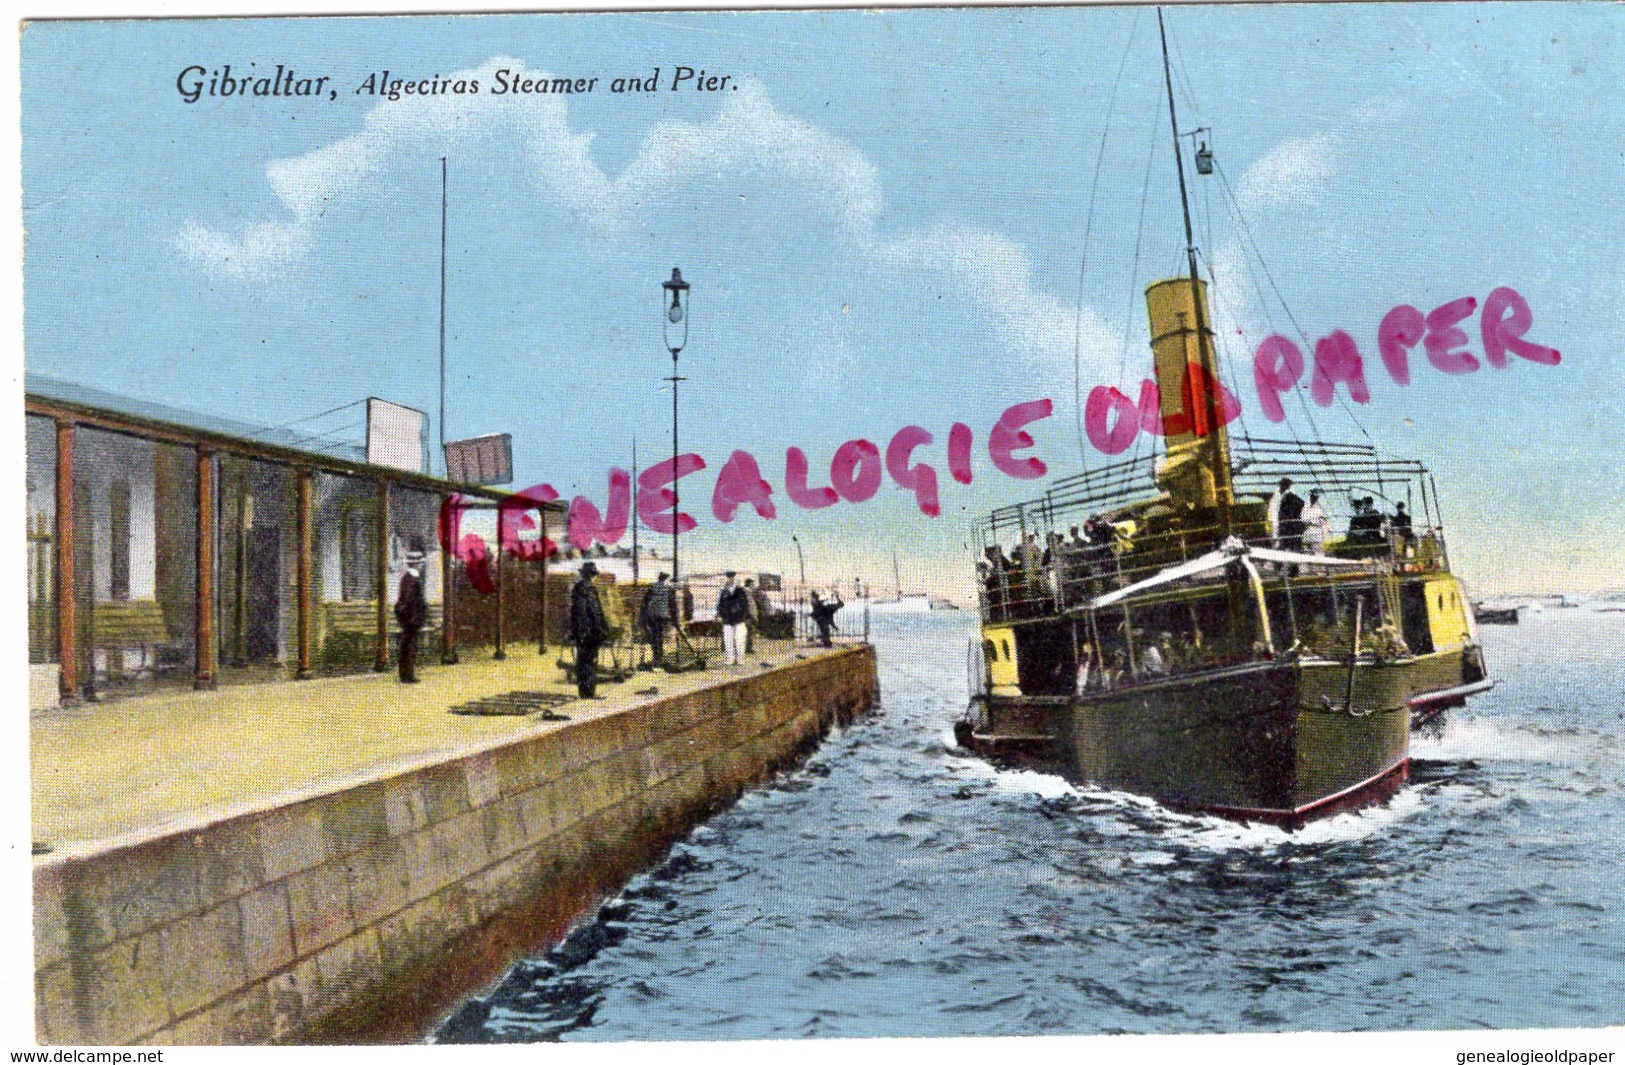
x=1196 y=472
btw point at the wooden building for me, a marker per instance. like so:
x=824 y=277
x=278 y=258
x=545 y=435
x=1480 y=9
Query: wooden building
x=170 y=549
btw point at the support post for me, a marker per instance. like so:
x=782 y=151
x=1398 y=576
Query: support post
x=67 y=655
x=239 y=595
x=206 y=652
x=304 y=671
x=496 y=568
x=380 y=663
x=541 y=621
x=448 y=600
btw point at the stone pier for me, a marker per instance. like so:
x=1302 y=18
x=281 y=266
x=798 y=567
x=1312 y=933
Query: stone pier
x=344 y=860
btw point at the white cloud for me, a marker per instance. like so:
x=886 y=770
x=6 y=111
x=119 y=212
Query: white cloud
x=1291 y=175
x=306 y=184
x=995 y=272
x=747 y=145
x=749 y=137
x=256 y=252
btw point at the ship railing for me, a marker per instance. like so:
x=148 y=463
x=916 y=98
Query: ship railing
x=1074 y=574
x=1342 y=472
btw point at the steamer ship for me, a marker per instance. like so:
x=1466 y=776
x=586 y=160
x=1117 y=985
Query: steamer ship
x=1186 y=650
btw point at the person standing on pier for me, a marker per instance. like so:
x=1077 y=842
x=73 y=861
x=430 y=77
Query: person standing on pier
x=753 y=624
x=764 y=605
x=658 y=609
x=733 y=610
x=411 y=611
x=587 y=630
x=823 y=615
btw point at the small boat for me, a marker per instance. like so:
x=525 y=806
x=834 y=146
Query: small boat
x=900 y=603
x=1183 y=644
x=1495 y=615
x=908 y=604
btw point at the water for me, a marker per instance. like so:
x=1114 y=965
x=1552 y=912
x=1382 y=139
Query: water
x=894 y=886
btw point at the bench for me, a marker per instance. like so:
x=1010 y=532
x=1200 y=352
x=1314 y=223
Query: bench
x=348 y=629
x=128 y=625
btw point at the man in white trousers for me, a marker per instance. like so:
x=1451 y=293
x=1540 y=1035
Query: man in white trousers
x=733 y=611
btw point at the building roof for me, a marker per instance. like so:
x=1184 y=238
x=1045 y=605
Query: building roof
x=82 y=395
x=276 y=443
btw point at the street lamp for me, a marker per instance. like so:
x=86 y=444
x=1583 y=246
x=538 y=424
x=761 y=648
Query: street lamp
x=675 y=315
x=801 y=589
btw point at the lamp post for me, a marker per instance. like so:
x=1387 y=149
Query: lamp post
x=675 y=315
x=801 y=589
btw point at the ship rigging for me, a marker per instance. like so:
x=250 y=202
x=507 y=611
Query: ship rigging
x=1173 y=626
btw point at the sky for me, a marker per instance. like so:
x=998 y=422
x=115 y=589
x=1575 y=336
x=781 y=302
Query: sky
x=888 y=217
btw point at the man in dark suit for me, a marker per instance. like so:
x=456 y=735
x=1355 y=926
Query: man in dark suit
x=1291 y=514
x=658 y=611
x=587 y=630
x=823 y=615
x=1400 y=523
x=411 y=611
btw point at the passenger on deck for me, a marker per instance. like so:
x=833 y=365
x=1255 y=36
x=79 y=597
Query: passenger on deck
x=1152 y=664
x=1175 y=655
x=1365 y=525
x=1118 y=673
x=1055 y=564
x=1074 y=569
x=1086 y=662
x=998 y=565
x=1273 y=516
x=1400 y=524
x=1034 y=585
x=1290 y=512
x=1317 y=526
x=1102 y=535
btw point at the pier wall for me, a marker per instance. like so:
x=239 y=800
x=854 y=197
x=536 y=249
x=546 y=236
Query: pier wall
x=359 y=915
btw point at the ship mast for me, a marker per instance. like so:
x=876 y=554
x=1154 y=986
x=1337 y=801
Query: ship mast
x=1220 y=463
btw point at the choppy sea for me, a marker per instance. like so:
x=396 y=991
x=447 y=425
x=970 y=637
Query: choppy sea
x=894 y=885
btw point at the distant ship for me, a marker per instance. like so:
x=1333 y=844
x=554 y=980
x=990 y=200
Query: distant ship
x=1494 y=614
x=907 y=604
x=901 y=603
x=1175 y=649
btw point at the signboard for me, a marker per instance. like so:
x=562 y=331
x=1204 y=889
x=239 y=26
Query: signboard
x=480 y=459
x=395 y=435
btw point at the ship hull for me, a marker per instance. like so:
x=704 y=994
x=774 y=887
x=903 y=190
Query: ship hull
x=1279 y=742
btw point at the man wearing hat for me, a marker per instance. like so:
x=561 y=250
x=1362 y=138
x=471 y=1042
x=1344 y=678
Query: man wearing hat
x=733 y=610
x=411 y=611
x=823 y=615
x=1273 y=514
x=587 y=630
x=658 y=610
